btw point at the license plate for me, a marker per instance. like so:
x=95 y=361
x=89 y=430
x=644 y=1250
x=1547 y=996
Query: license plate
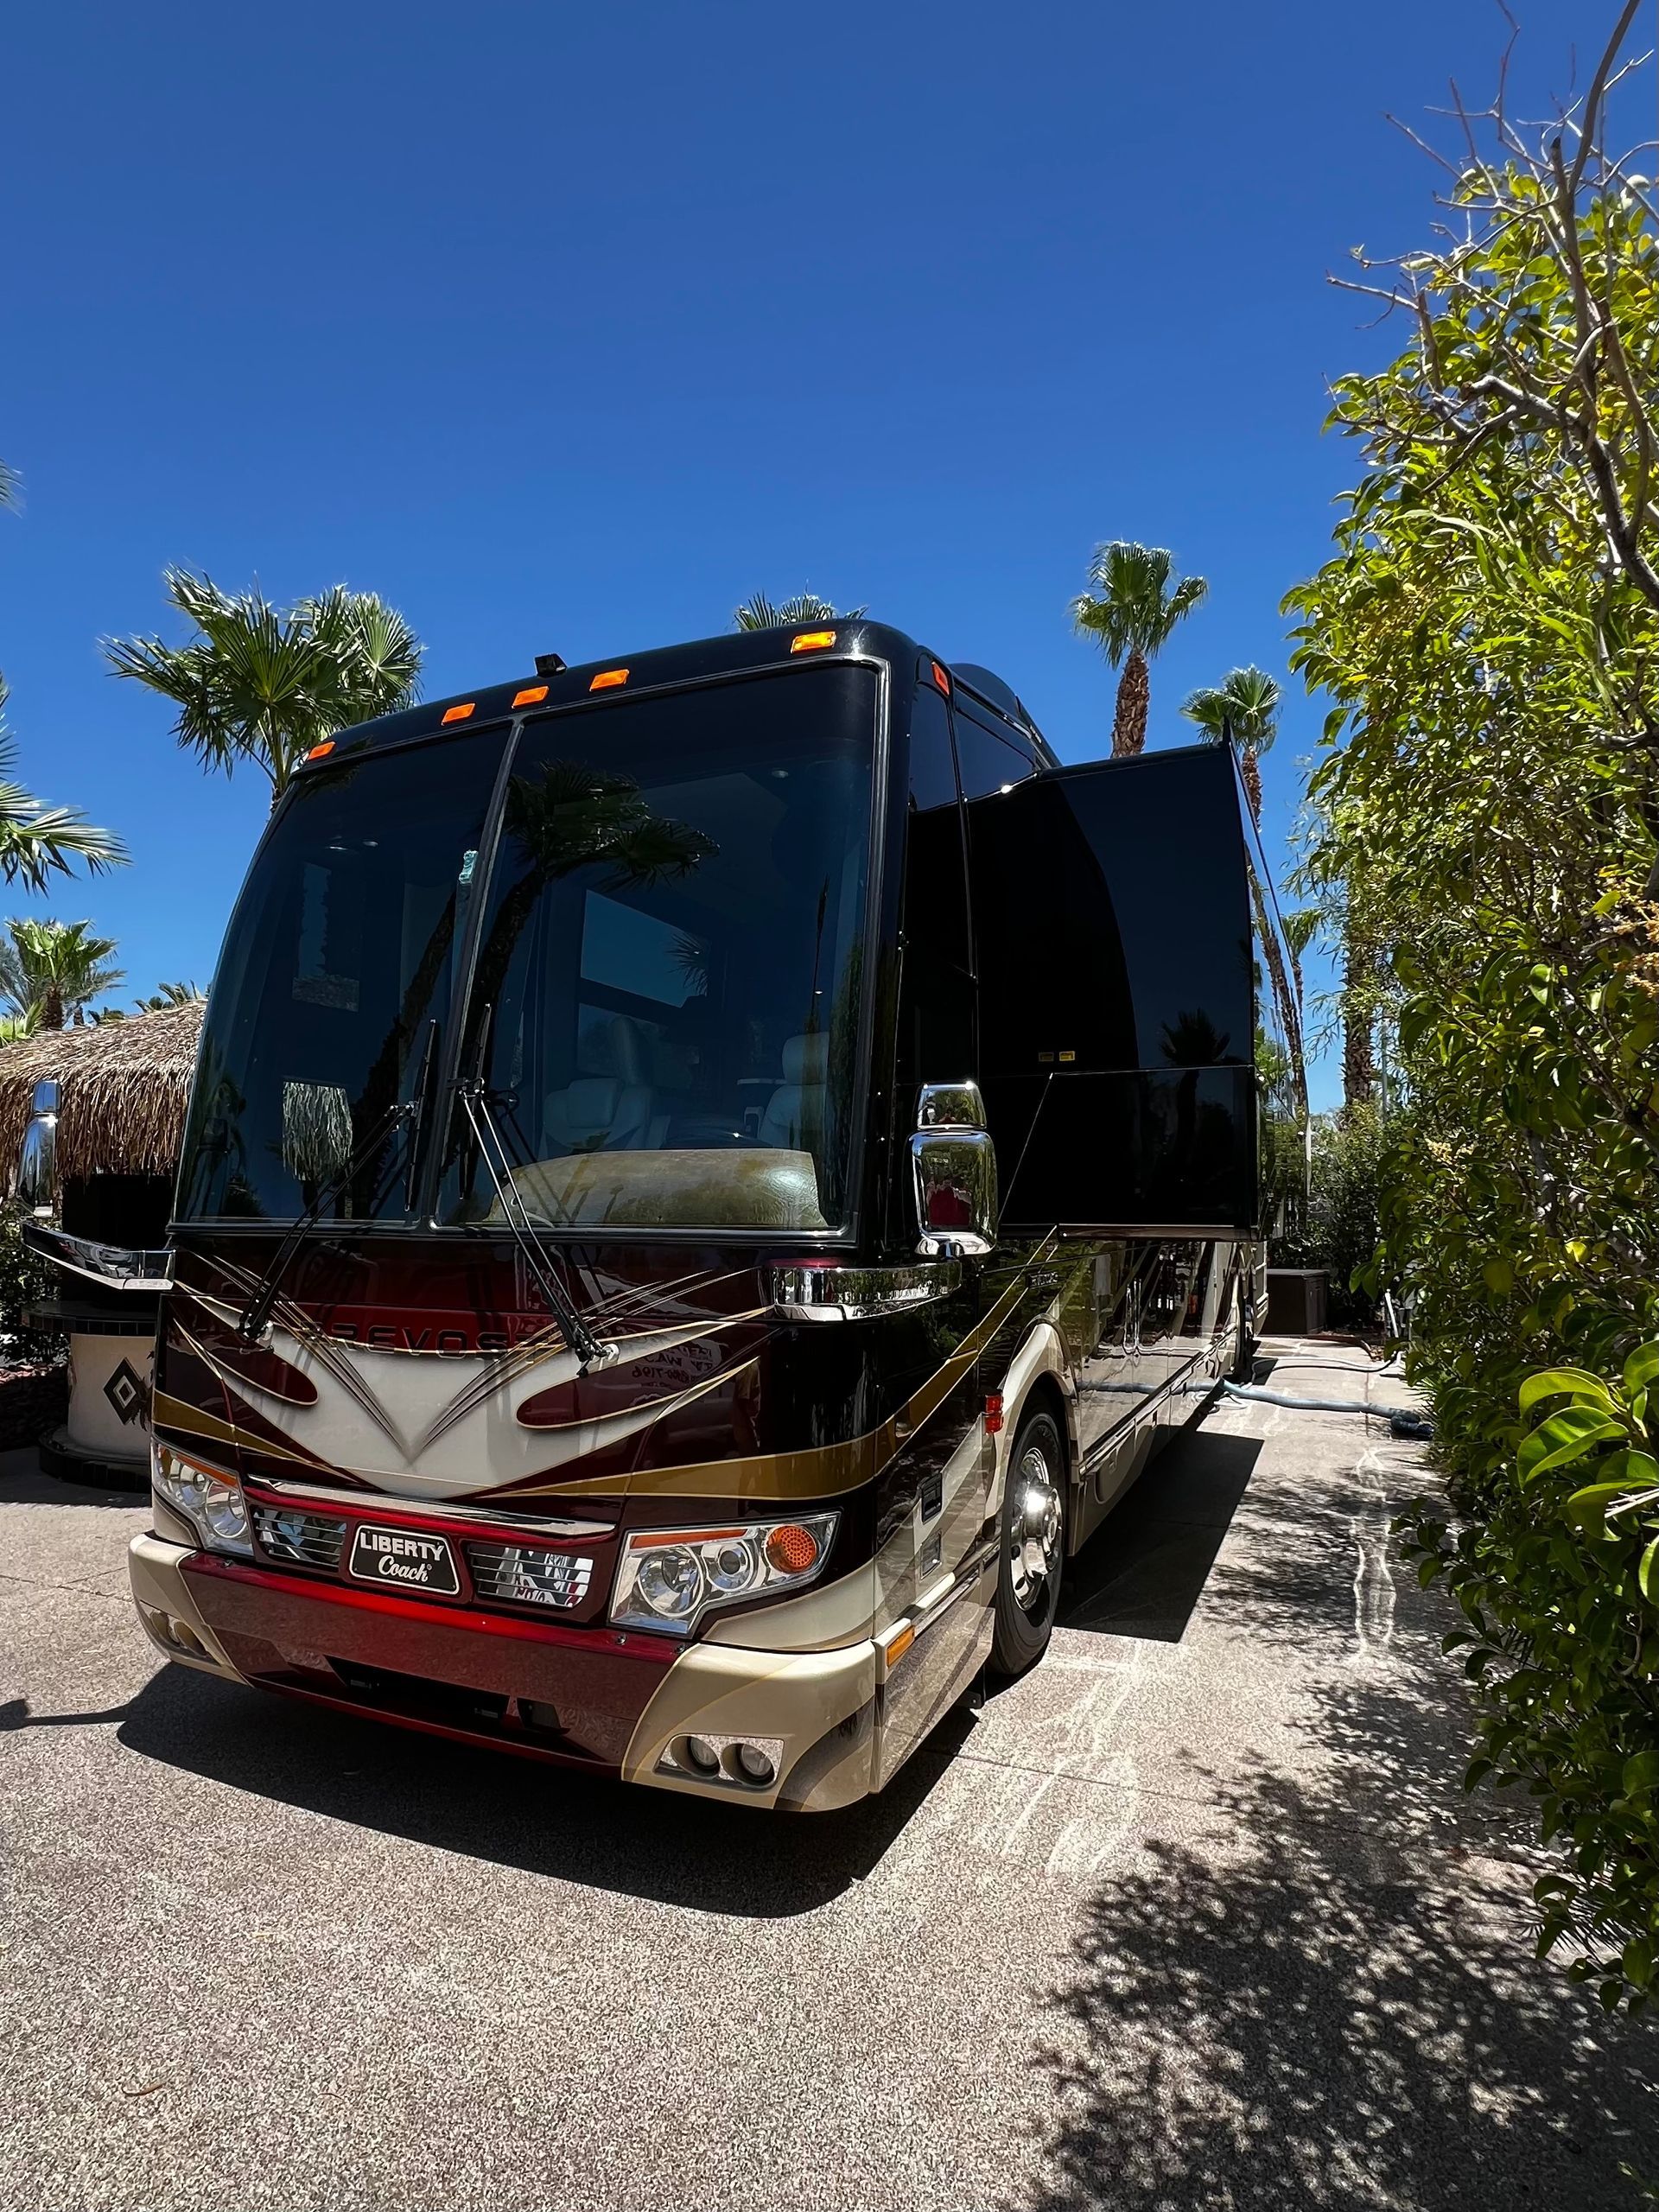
x=403 y=1558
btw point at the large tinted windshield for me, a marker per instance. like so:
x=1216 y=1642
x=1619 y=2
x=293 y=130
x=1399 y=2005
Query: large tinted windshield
x=339 y=959
x=666 y=995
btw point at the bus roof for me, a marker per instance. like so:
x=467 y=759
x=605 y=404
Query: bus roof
x=732 y=653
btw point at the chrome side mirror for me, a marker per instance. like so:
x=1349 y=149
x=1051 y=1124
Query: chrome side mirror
x=953 y=1167
x=37 y=1156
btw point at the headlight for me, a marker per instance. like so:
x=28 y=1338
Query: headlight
x=213 y=1503
x=668 y=1580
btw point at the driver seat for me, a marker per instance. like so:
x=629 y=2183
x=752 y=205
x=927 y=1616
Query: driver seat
x=609 y=1113
x=794 y=1113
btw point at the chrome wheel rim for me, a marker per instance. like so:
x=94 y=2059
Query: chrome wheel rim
x=1033 y=1529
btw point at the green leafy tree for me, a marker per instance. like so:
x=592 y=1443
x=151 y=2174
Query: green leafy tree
x=263 y=683
x=57 y=967
x=1243 y=711
x=1130 y=610
x=759 y=613
x=1484 y=808
x=166 y=995
x=38 y=841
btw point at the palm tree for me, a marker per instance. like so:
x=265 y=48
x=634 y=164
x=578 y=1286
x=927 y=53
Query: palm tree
x=259 y=683
x=37 y=840
x=56 y=967
x=1242 y=711
x=1131 y=610
x=759 y=613
x=166 y=994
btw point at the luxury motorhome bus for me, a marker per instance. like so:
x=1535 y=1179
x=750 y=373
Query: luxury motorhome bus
x=707 y=1175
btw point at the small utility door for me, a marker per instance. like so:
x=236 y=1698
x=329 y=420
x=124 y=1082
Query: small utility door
x=1111 y=913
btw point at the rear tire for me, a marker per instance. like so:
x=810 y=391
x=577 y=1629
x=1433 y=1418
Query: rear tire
x=1031 y=1545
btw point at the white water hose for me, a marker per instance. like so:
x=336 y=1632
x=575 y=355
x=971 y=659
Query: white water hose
x=1405 y=1421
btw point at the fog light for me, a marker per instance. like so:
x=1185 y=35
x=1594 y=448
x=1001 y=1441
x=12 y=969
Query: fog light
x=753 y=1765
x=701 y=1755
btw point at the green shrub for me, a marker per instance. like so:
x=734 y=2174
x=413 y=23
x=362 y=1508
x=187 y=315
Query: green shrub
x=1343 y=1223
x=24 y=1280
x=1485 y=808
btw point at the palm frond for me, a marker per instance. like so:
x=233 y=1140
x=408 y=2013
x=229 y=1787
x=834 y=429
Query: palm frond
x=37 y=842
x=1207 y=707
x=256 y=682
x=1130 y=607
x=40 y=960
x=11 y=486
x=759 y=613
x=166 y=994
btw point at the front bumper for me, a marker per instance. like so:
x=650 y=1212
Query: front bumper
x=607 y=1700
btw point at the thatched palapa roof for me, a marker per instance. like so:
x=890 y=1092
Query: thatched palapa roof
x=124 y=1086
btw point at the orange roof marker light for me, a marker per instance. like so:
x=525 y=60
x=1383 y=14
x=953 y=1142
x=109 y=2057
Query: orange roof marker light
x=321 y=752
x=459 y=713
x=608 y=679
x=812 y=641
x=941 y=679
x=531 y=695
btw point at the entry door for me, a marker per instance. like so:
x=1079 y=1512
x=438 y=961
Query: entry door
x=1117 y=1032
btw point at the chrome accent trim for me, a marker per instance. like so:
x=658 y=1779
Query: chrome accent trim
x=117 y=1266
x=953 y=1172
x=526 y=1574
x=810 y=1291
x=304 y=1538
x=951 y=1106
x=37 y=1156
x=372 y=1502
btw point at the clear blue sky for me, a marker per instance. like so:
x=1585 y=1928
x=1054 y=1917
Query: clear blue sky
x=571 y=327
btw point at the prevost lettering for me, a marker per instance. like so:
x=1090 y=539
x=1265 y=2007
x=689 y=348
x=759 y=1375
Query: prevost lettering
x=387 y=1336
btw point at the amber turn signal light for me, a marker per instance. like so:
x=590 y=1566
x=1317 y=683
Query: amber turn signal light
x=608 y=679
x=792 y=1549
x=531 y=695
x=812 y=641
x=319 y=752
x=459 y=713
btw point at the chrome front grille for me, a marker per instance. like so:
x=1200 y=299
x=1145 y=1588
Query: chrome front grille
x=526 y=1574
x=307 y=1539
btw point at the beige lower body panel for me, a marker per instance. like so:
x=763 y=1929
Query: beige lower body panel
x=796 y=1701
x=837 y=1723
x=158 y=1586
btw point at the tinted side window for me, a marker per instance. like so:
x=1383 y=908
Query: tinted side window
x=935 y=1000
x=936 y=912
x=988 y=759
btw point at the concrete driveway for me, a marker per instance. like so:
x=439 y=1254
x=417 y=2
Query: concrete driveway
x=1196 y=1915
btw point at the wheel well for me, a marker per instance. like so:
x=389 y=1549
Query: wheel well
x=1045 y=1395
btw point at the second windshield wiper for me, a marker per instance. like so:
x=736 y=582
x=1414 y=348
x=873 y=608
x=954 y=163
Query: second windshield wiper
x=589 y=1351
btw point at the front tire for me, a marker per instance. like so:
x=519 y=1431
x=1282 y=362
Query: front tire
x=1031 y=1546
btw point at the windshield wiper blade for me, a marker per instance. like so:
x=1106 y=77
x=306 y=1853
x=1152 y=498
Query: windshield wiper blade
x=475 y=1104
x=421 y=1108
x=256 y=1314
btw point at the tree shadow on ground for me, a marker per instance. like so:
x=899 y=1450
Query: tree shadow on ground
x=1316 y=2001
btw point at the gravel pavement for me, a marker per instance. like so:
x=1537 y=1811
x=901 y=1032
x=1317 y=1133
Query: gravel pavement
x=1196 y=1915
